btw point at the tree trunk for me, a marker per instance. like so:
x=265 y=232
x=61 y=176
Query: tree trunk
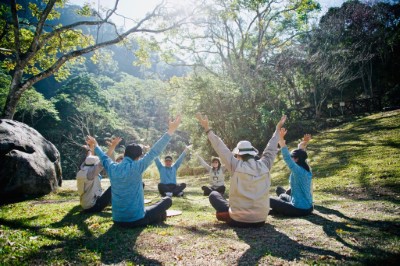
x=13 y=96
x=11 y=104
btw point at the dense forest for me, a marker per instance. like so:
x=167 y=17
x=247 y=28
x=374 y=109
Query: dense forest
x=243 y=63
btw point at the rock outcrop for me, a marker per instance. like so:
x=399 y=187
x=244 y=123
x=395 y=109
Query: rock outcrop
x=29 y=164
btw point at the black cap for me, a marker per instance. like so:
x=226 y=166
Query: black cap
x=133 y=151
x=168 y=158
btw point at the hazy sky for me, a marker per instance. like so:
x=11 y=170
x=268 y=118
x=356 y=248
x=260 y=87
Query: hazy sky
x=136 y=8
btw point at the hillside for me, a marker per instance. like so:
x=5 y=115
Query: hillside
x=356 y=219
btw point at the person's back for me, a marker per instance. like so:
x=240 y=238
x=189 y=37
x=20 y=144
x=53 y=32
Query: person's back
x=91 y=196
x=88 y=183
x=126 y=180
x=127 y=193
x=248 y=192
x=248 y=204
x=299 y=201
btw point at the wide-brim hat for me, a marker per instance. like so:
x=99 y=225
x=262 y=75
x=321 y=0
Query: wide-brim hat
x=91 y=160
x=245 y=147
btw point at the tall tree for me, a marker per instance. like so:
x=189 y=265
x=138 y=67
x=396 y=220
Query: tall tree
x=236 y=43
x=35 y=51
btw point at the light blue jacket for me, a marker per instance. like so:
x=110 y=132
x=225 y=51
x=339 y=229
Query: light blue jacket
x=127 y=197
x=168 y=174
x=300 y=182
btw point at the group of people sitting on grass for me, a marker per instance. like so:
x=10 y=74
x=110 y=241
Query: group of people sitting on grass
x=249 y=202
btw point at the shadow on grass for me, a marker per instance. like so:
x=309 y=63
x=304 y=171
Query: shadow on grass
x=115 y=246
x=349 y=229
x=267 y=240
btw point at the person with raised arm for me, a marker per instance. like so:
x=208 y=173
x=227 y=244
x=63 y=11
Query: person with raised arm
x=300 y=201
x=303 y=146
x=215 y=173
x=91 y=195
x=168 y=185
x=248 y=204
x=127 y=200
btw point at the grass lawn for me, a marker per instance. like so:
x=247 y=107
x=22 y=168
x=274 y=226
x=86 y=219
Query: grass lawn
x=356 y=219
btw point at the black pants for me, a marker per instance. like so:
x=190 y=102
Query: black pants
x=103 y=201
x=175 y=189
x=283 y=206
x=221 y=205
x=208 y=190
x=155 y=213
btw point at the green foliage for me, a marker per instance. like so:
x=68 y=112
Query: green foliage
x=64 y=42
x=234 y=112
x=143 y=53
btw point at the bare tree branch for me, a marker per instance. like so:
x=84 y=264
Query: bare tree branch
x=39 y=29
x=16 y=31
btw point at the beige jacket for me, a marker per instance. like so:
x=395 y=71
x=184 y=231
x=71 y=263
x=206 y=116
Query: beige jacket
x=89 y=185
x=250 y=182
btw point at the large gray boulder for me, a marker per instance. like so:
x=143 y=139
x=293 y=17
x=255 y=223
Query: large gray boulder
x=29 y=164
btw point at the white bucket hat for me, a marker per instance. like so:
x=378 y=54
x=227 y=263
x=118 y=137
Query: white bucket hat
x=91 y=160
x=245 y=147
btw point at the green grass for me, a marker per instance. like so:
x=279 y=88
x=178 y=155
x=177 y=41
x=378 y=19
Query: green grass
x=356 y=219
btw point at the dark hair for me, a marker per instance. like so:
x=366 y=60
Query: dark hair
x=302 y=156
x=168 y=157
x=133 y=151
x=246 y=157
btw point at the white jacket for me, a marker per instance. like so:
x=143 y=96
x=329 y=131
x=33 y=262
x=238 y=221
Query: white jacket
x=250 y=181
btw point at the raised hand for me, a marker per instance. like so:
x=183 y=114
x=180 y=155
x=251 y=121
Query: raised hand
x=86 y=147
x=114 y=142
x=307 y=138
x=112 y=145
x=281 y=122
x=188 y=148
x=203 y=121
x=282 y=134
x=91 y=141
x=173 y=124
x=303 y=144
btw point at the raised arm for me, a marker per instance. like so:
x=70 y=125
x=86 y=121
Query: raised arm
x=271 y=149
x=293 y=166
x=158 y=162
x=219 y=146
x=180 y=159
x=104 y=159
x=303 y=144
x=160 y=145
x=111 y=147
x=93 y=171
x=202 y=162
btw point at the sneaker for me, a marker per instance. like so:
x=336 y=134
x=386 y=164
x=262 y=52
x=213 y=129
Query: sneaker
x=180 y=194
x=168 y=194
